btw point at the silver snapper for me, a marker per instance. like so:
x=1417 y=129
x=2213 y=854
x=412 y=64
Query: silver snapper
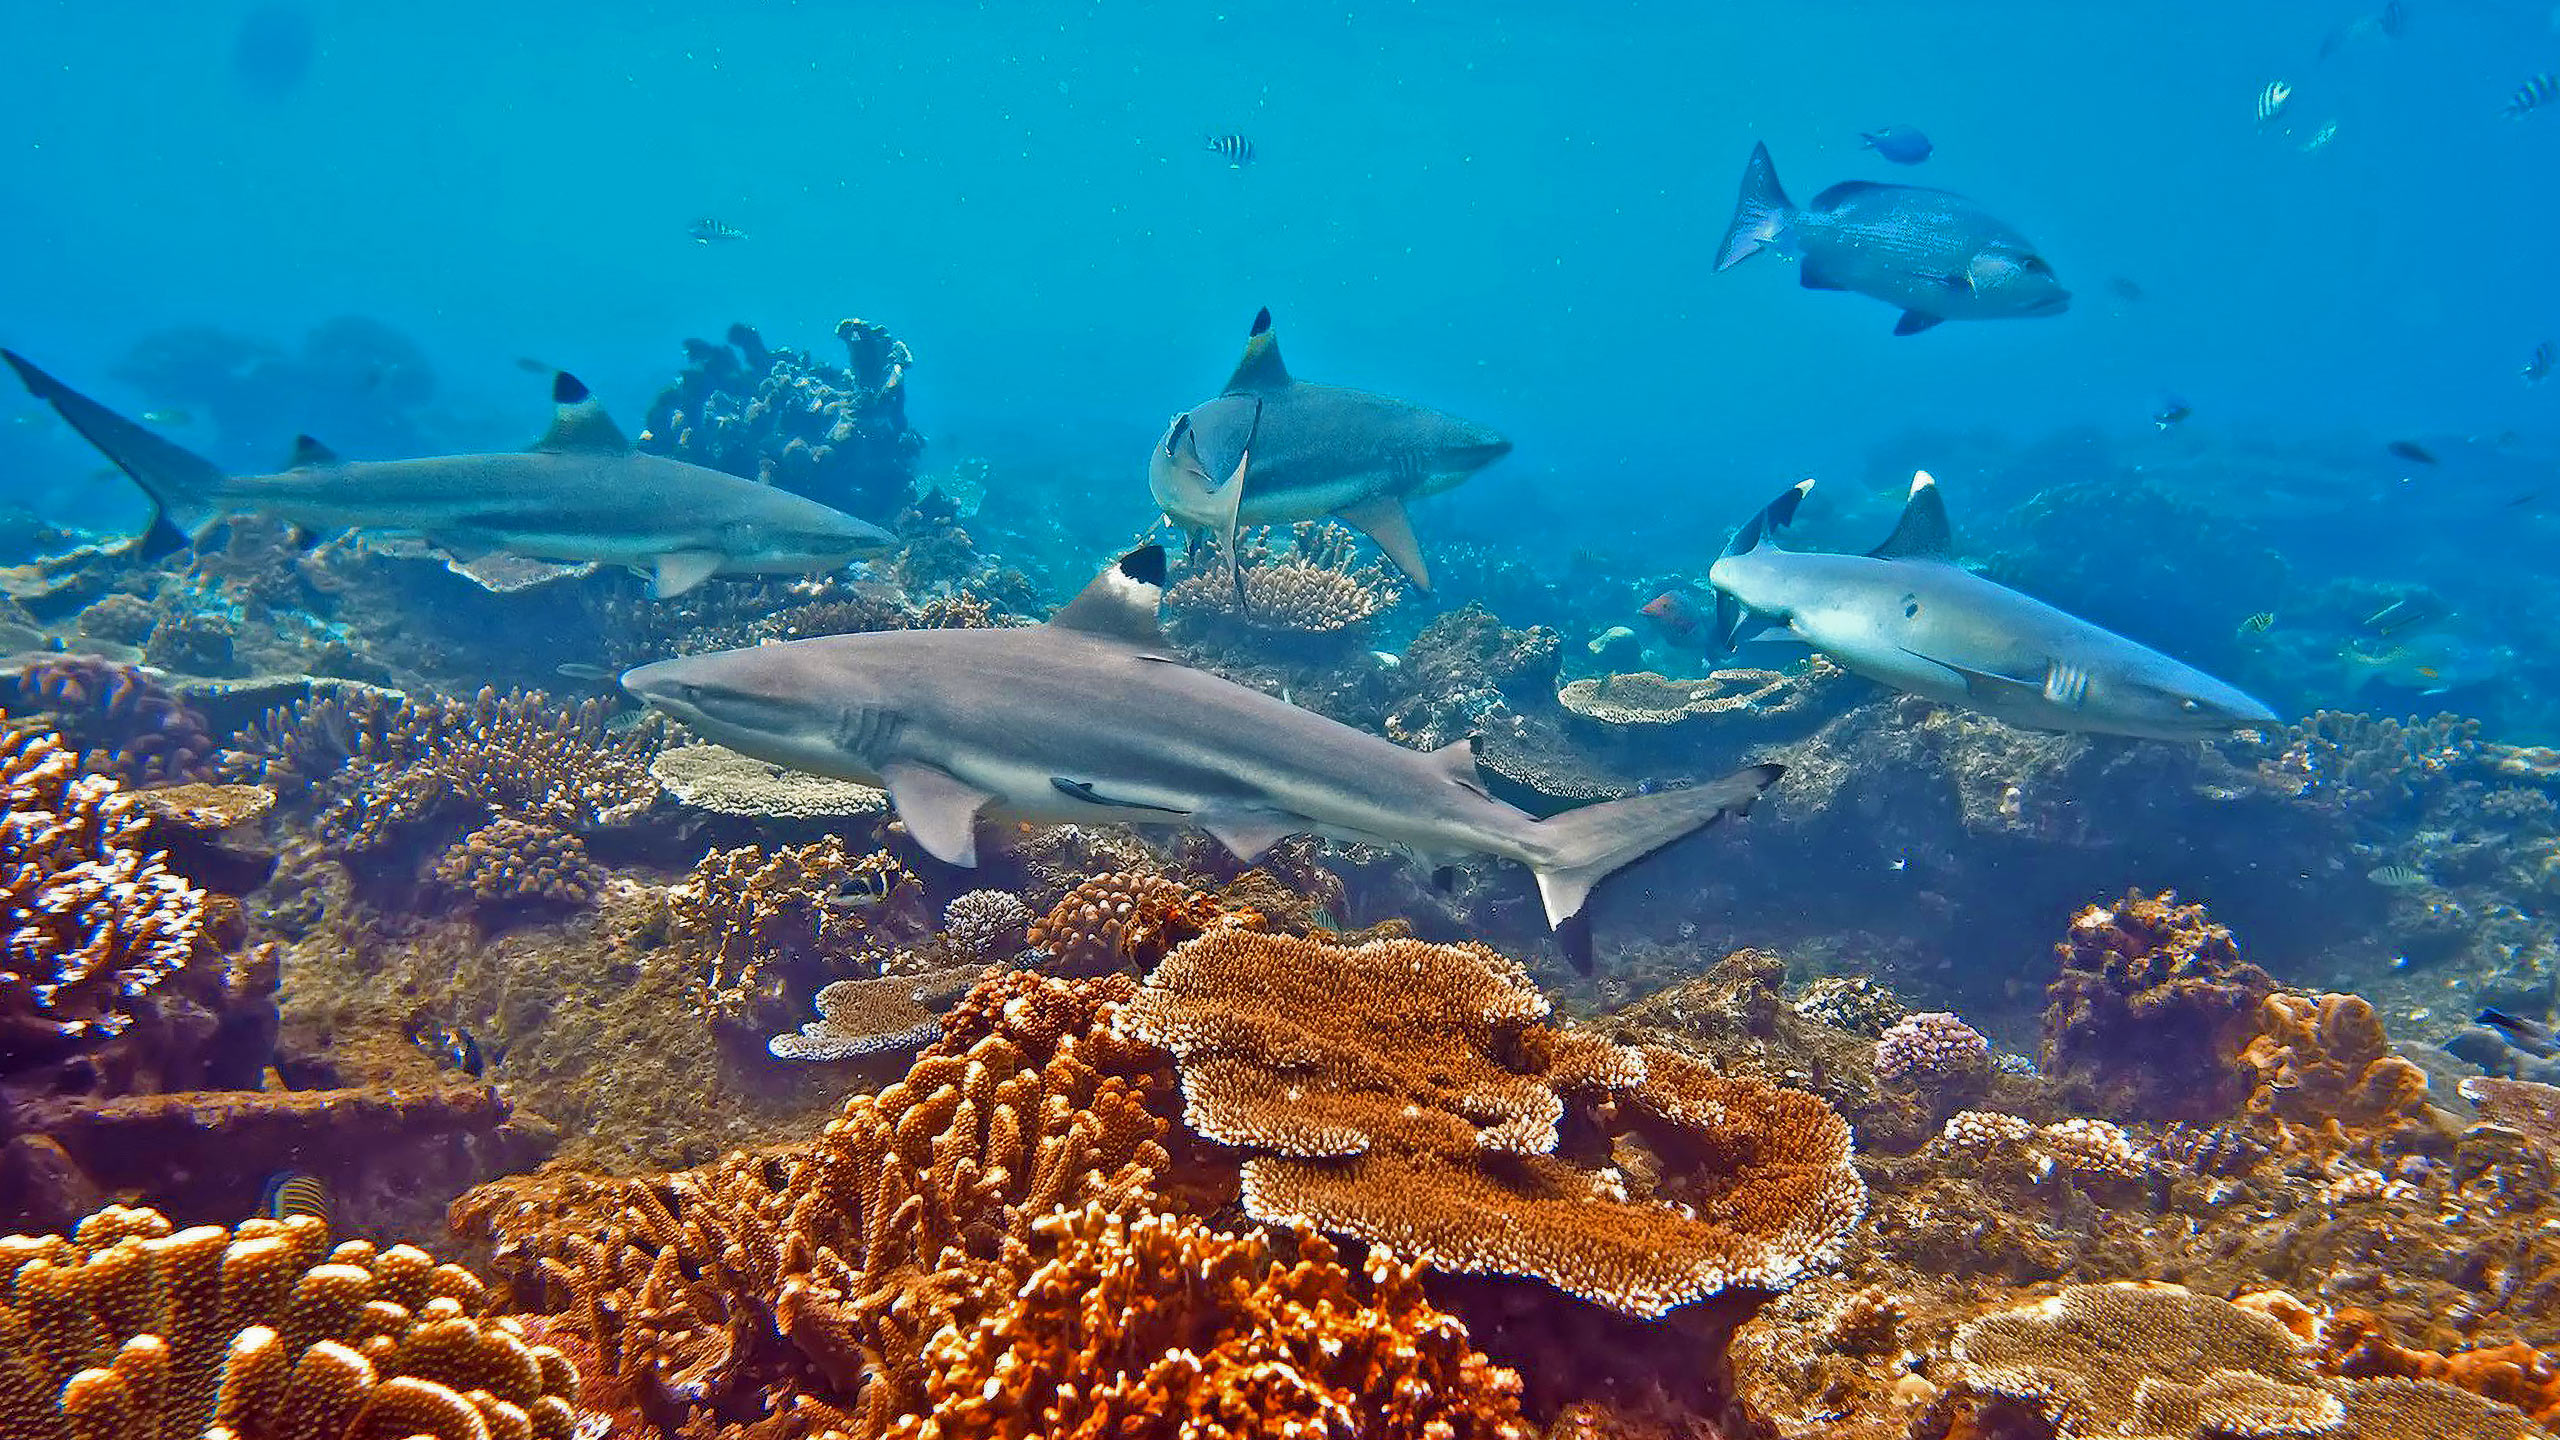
x=1275 y=450
x=1936 y=255
x=580 y=494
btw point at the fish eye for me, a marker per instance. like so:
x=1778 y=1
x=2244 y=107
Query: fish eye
x=2034 y=265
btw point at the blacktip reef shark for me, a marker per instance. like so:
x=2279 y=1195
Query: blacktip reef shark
x=580 y=494
x=1090 y=719
x=1907 y=615
x=1275 y=450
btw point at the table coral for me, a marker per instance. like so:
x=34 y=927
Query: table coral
x=1412 y=1095
x=2356 y=1342
x=724 y=782
x=880 y=1016
x=2326 y=1075
x=1646 y=698
x=130 y=1327
x=2151 y=1011
x=1094 y=1343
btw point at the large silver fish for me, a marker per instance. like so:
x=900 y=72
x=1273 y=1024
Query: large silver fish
x=1090 y=719
x=1936 y=255
x=1275 y=450
x=580 y=494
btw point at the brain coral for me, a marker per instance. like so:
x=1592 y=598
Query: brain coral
x=1412 y=1095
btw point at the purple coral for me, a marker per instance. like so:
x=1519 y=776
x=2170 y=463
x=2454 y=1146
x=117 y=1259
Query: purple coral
x=989 y=924
x=1930 y=1046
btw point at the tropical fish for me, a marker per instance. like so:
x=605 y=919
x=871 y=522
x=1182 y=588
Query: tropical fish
x=2412 y=451
x=2320 y=137
x=2172 y=411
x=2537 y=366
x=863 y=889
x=1901 y=144
x=1936 y=255
x=2258 y=624
x=1907 y=615
x=1681 y=620
x=450 y=1046
x=580 y=494
x=2408 y=614
x=1236 y=150
x=1090 y=719
x=2530 y=1036
x=2432 y=663
x=2272 y=101
x=292 y=1192
x=1274 y=450
x=2398 y=877
x=714 y=232
x=2533 y=94
x=167 y=415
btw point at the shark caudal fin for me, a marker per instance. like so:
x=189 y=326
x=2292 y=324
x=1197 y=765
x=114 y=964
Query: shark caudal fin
x=1735 y=621
x=1760 y=217
x=1586 y=846
x=179 y=482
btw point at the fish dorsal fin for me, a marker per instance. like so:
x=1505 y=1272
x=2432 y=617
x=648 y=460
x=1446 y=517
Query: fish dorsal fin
x=307 y=451
x=578 y=421
x=1121 y=602
x=1923 y=533
x=1260 y=371
x=1457 y=760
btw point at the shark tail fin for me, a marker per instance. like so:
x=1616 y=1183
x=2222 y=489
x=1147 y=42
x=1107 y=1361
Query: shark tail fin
x=1735 y=621
x=179 y=482
x=1586 y=846
x=1760 y=217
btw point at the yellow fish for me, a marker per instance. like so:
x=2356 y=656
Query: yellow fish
x=2258 y=624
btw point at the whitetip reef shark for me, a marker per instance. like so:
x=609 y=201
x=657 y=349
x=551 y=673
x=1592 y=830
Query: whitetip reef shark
x=1907 y=615
x=1090 y=719
x=581 y=493
x=1275 y=450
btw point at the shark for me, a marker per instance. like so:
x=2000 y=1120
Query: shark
x=1272 y=449
x=581 y=493
x=1907 y=615
x=1091 y=719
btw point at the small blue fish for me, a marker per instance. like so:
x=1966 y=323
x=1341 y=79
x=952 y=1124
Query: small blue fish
x=1901 y=144
x=2172 y=411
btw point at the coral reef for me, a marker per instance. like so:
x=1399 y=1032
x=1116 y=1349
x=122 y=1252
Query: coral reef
x=1127 y=919
x=2152 y=1010
x=2326 y=1075
x=1318 y=588
x=761 y=924
x=132 y=1327
x=1931 y=1047
x=123 y=722
x=511 y=861
x=838 y=434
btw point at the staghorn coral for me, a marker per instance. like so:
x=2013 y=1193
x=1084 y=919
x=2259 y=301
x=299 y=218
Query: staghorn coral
x=1410 y=1094
x=724 y=782
x=2326 y=1076
x=1126 y=918
x=838 y=434
x=95 y=934
x=1318 y=588
x=2151 y=1011
x=130 y=1327
x=125 y=723
x=512 y=862
x=1931 y=1047
x=858 y=1018
x=990 y=924
x=1093 y=1343
x=748 y=915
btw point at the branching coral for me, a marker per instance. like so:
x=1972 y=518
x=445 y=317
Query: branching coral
x=125 y=723
x=512 y=861
x=1094 y=1343
x=1931 y=1047
x=129 y=1328
x=836 y=433
x=2151 y=1011
x=1128 y=918
x=1319 y=587
x=990 y=924
x=2373 y=765
x=1411 y=1095
x=2326 y=1075
x=747 y=915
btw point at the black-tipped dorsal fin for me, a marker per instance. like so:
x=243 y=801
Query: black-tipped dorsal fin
x=578 y=421
x=1924 y=533
x=1260 y=371
x=307 y=451
x=1121 y=602
x=1777 y=515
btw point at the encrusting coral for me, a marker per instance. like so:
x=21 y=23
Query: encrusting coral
x=1412 y=1095
x=2151 y=1011
x=2326 y=1073
x=131 y=1329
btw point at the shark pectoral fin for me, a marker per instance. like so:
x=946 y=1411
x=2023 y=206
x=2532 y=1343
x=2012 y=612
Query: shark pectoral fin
x=681 y=570
x=1231 y=506
x=940 y=809
x=1383 y=519
x=1913 y=322
x=1990 y=686
x=1457 y=760
x=1260 y=369
x=1083 y=790
x=578 y=421
x=463 y=548
x=1247 y=833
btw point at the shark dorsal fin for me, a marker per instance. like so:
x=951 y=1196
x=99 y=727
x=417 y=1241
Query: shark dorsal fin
x=1924 y=533
x=1260 y=371
x=1121 y=602
x=1457 y=760
x=578 y=421
x=307 y=451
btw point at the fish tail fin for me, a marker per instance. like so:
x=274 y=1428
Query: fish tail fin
x=1586 y=846
x=179 y=482
x=1760 y=217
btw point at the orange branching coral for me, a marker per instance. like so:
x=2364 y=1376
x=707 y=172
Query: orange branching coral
x=2326 y=1073
x=1096 y=1344
x=124 y=722
x=1127 y=919
x=1412 y=1095
x=2356 y=1342
x=130 y=1329
x=2151 y=1010
x=742 y=911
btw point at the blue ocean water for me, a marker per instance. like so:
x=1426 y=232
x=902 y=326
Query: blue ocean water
x=1508 y=211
